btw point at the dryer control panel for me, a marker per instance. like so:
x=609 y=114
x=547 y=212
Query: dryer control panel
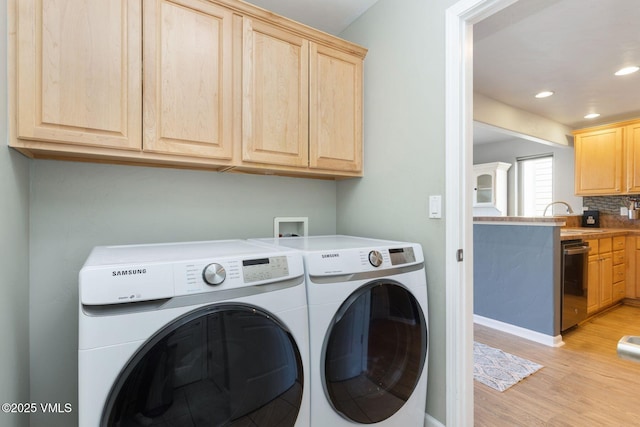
x=348 y=261
x=402 y=255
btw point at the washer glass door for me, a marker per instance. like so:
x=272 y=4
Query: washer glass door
x=374 y=352
x=220 y=365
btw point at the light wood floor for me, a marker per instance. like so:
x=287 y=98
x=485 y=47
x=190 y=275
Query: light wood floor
x=583 y=383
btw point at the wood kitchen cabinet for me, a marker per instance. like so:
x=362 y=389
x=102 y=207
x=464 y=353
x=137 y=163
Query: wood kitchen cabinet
x=188 y=74
x=632 y=143
x=598 y=161
x=79 y=65
x=634 y=290
x=606 y=272
x=335 y=109
x=225 y=86
x=593 y=274
x=302 y=101
x=275 y=104
x=600 y=274
x=607 y=159
x=619 y=268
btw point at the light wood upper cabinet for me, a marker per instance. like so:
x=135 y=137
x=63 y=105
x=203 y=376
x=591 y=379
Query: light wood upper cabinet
x=188 y=75
x=335 y=119
x=598 y=162
x=632 y=142
x=207 y=84
x=275 y=78
x=302 y=101
x=607 y=159
x=78 y=68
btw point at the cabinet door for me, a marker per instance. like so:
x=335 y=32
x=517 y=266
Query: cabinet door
x=188 y=91
x=484 y=189
x=79 y=72
x=606 y=280
x=632 y=139
x=598 y=162
x=335 y=110
x=275 y=99
x=634 y=291
x=593 y=286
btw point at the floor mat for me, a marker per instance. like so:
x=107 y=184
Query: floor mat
x=499 y=370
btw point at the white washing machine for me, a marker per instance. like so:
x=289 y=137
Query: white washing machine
x=193 y=334
x=368 y=332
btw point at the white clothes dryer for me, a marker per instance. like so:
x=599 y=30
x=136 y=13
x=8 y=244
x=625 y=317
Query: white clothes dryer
x=193 y=334
x=368 y=336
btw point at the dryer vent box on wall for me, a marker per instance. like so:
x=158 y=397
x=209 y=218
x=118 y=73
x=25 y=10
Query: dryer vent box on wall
x=290 y=226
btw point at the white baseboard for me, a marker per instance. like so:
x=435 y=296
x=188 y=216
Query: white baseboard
x=549 y=340
x=429 y=421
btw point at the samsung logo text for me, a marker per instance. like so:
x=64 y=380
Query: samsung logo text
x=330 y=255
x=129 y=272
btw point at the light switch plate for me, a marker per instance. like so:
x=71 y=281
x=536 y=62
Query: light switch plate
x=435 y=206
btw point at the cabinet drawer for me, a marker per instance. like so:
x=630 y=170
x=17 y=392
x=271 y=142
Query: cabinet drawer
x=593 y=244
x=618 y=257
x=604 y=245
x=618 y=273
x=618 y=291
x=618 y=243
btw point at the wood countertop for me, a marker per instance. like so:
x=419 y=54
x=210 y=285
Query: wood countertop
x=595 y=233
x=553 y=221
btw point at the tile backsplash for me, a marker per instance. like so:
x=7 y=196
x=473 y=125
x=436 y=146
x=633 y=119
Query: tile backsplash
x=607 y=204
x=609 y=207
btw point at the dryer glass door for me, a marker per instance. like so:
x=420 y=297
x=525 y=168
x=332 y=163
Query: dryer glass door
x=220 y=365
x=374 y=352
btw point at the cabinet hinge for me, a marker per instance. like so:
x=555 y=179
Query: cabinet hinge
x=459 y=255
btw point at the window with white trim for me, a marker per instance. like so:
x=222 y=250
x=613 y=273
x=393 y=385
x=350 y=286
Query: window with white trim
x=535 y=184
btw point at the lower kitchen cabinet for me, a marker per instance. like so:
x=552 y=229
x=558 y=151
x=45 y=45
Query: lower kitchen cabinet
x=634 y=291
x=593 y=290
x=606 y=272
x=619 y=268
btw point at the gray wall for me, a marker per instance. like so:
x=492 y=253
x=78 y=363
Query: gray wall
x=14 y=259
x=516 y=275
x=563 y=169
x=404 y=149
x=75 y=206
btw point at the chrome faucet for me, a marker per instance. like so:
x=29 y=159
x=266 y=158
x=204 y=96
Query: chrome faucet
x=569 y=210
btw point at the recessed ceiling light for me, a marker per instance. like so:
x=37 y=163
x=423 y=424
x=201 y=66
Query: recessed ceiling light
x=544 y=94
x=626 y=70
x=592 y=116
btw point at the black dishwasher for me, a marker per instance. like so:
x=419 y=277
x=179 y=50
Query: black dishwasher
x=574 y=282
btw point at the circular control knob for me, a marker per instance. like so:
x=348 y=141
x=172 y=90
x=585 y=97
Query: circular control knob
x=214 y=274
x=375 y=258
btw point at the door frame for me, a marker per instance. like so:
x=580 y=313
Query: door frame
x=459 y=21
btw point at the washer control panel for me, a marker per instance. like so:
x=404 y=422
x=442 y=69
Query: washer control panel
x=254 y=270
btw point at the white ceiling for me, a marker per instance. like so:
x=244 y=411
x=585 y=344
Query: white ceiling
x=571 y=47
x=330 y=16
